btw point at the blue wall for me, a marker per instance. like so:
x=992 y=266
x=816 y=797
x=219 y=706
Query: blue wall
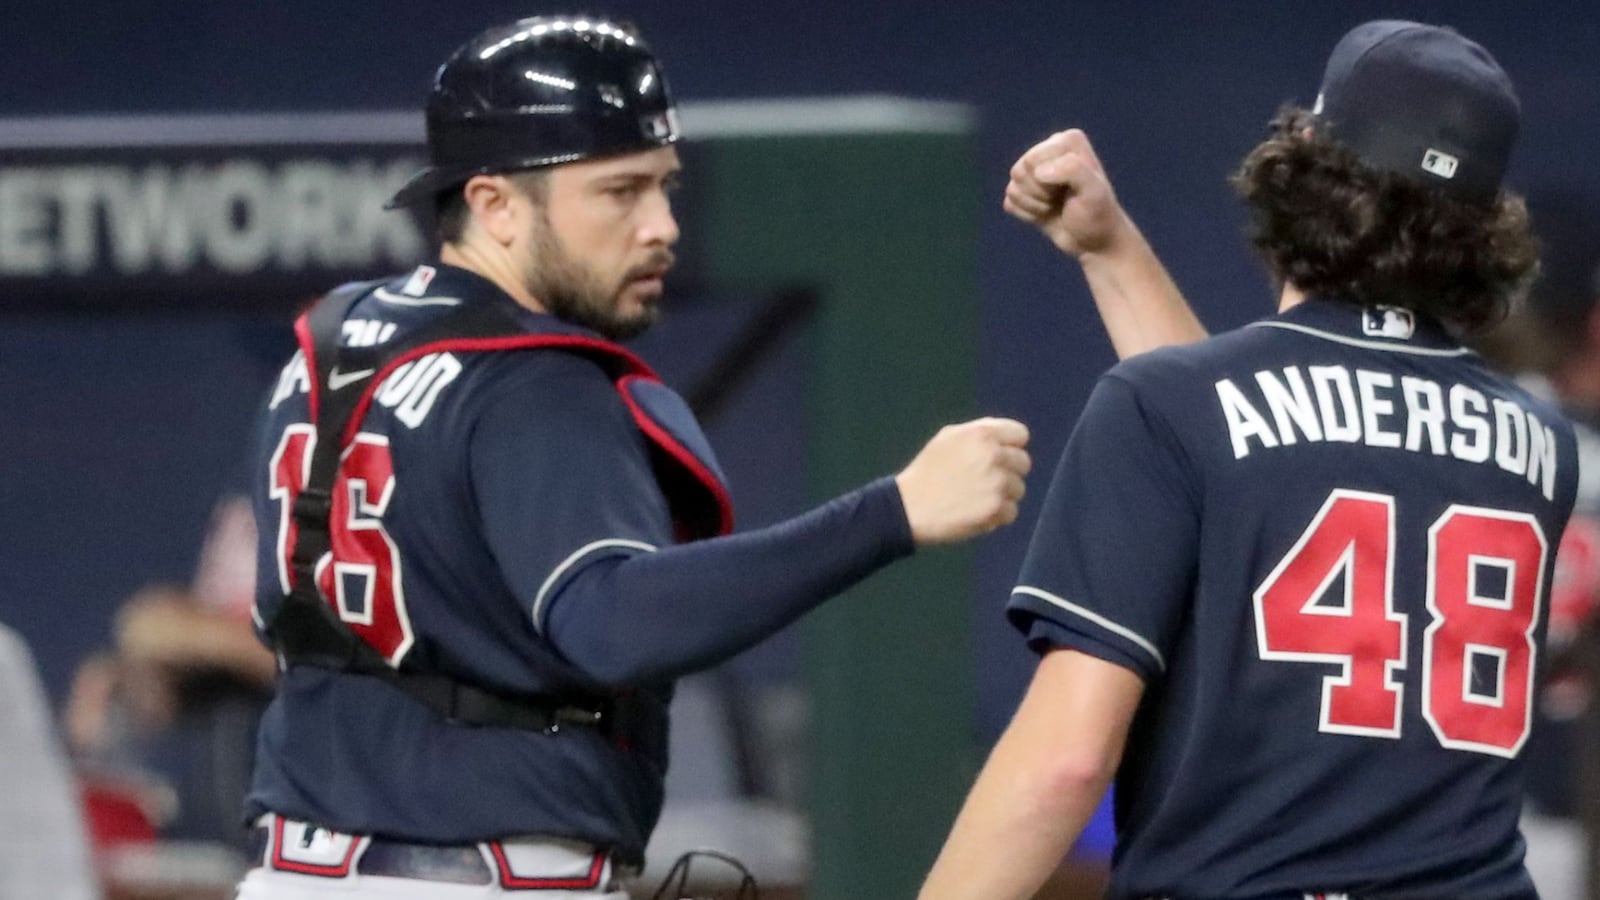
x=1173 y=94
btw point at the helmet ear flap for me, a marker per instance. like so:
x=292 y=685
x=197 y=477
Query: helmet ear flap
x=541 y=92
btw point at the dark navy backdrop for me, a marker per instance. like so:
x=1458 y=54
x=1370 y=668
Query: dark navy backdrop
x=1173 y=93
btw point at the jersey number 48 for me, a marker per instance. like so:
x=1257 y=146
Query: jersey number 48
x=1484 y=588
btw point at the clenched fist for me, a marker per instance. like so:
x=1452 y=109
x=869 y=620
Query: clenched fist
x=1060 y=187
x=967 y=480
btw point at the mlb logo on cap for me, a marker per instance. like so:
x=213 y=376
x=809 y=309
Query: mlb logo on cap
x=661 y=126
x=1440 y=163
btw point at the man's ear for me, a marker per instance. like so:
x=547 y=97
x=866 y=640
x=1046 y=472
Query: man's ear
x=491 y=207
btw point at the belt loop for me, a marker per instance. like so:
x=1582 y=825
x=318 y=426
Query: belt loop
x=597 y=877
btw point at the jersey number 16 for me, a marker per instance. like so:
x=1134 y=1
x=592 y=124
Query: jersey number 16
x=1485 y=584
x=361 y=574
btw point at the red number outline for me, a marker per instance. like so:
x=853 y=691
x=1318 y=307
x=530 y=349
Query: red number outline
x=385 y=626
x=1516 y=651
x=1441 y=621
x=285 y=494
x=1346 y=661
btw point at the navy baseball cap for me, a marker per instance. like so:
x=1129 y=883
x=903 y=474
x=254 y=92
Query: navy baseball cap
x=1421 y=101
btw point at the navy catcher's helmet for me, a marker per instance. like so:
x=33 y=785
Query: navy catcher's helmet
x=540 y=92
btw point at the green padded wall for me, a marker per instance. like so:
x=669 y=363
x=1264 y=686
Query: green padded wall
x=879 y=218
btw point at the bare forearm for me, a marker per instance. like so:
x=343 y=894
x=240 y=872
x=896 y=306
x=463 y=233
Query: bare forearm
x=1042 y=781
x=1034 y=815
x=1138 y=301
x=1060 y=187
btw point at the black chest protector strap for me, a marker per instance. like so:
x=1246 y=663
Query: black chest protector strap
x=306 y=629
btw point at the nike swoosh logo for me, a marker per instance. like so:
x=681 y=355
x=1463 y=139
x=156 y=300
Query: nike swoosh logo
x=338 y=379
x=389 y=297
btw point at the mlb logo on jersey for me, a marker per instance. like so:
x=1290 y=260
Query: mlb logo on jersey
x=1388 y=322
x=417 y=284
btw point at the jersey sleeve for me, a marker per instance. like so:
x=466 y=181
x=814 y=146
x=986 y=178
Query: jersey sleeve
x=561 y=478
x=653 y=617
x=1110 y=568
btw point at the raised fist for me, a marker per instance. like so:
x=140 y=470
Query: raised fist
x=1060 y=187
x=966 y=481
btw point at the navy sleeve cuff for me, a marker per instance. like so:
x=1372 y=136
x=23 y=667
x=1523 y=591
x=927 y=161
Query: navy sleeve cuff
x=881 y=499
x=1050 y=621
x=1044 y=636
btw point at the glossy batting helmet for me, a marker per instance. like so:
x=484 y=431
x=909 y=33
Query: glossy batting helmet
x=540 y=92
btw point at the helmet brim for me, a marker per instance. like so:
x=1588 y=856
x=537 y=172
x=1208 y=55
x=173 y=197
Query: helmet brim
x=425 y=185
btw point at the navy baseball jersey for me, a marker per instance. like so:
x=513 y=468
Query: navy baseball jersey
x=525 y=521
x=1324 y=541
x=445 y=558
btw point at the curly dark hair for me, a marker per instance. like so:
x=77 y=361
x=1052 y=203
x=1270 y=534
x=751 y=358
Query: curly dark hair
x=1338 y=229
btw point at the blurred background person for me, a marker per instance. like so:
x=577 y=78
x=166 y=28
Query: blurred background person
x=167 y=716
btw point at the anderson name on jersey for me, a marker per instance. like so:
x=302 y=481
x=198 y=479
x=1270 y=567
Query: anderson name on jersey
x=1278 y=407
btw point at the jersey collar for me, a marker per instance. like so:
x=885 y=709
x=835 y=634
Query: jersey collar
x=1387 y=328
x=440 y=281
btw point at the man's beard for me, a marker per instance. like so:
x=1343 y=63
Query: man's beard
x=573 y=293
